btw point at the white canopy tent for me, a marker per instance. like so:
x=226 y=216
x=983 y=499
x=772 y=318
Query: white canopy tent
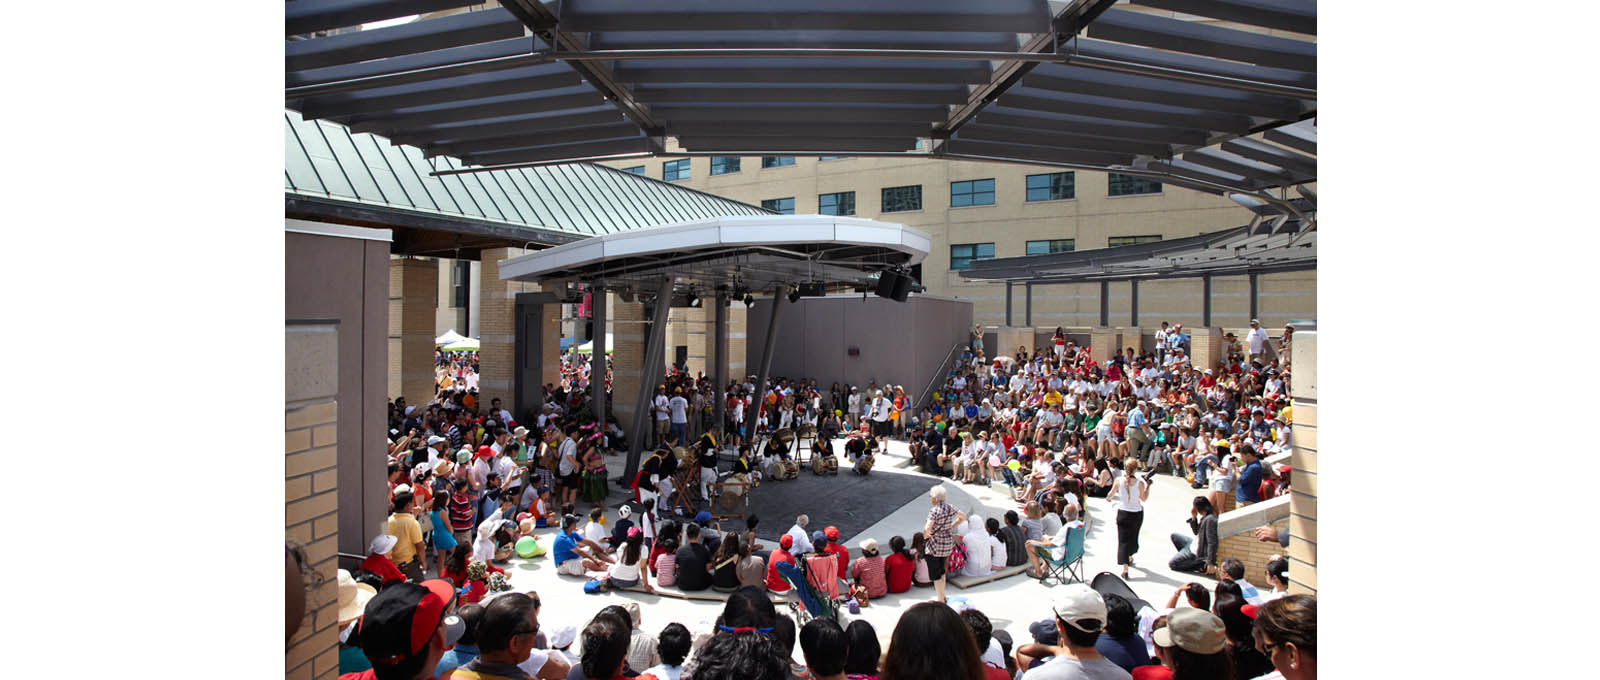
x=588 y=347
x=449 y=337
x=462 y=345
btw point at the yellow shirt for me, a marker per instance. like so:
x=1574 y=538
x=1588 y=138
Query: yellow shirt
x=1052 y=398
x=404 y=527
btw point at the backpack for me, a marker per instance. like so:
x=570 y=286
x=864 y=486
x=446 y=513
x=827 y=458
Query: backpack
x=958 y=557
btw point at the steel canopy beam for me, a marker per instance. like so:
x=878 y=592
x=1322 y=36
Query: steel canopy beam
x=650 y=372
x=537 y=17
x=1001 y=16
x=1135 y=86
x=1211 y=41
x=441 y=91
x=310 y=16
x=1271 y=155
x=1299 y=16
x=412 y=68
x=420 y=36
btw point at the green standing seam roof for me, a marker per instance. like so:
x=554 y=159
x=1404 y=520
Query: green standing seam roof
x=325 y=160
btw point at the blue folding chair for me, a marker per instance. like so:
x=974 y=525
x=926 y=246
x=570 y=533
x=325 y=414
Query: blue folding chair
x=1071 y=560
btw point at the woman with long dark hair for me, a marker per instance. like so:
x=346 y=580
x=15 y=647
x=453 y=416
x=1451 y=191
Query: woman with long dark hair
x=632 y=567
x=862 y=661
x=919 y=547
x=1128 y=495
x=1227 y=602
x=931 y=642
x=744 y=646
x=725 y=564
x=1286 y=631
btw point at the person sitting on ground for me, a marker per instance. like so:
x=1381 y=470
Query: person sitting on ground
x=1278 y=578
x=1121 y=642
x=838 y=551
x=1191 y=645
x=998 y=556
x=575 y=555
x=1285 y=630
x=825 y=647
x=1228 y=604
x=1233 y=571
x=775 y=581
x=752 y=568
x=631 y=568
x=605 y=648
x=378 y=561
x=595 y=529
x=744 y=646
x=619 y=533
x=673 y=646
x=405 y=630
x=980 y=555
x=868 y=572
x=725 y=565
x=899 y=567
x=1197 y=555
x=693 y=562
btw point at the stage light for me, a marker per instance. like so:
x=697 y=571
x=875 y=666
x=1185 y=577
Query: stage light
x=749 y=301
x=794 y=296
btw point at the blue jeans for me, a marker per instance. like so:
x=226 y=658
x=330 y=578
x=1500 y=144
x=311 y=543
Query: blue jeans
x=679 y=432
x=1185 y=560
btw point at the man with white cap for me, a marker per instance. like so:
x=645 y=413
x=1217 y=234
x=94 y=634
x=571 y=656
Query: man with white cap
x=1256 y=339
x=1080 y=614
x=436 y=446
x=881 y=406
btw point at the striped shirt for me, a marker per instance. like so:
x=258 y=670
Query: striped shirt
x=461 y=512
x=868 y=571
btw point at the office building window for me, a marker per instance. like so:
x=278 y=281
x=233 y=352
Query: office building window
x=1115 y=241
x=962 y=254
x=1053 y=186
x=1055 y=245
x=841 y=203
x=1128 y=185
x=722 y=165
x=901 y=199
x=673 y=171
x=831 y=158
x=637 y=169
x=776 y=161
x=780 y=205
x=972 y=192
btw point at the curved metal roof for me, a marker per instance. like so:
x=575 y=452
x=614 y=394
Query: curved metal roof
x=1074 y=83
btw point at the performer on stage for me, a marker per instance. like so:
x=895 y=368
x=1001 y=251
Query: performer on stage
x=706 y=450
x=777 y=461
x=860 y=447
x=822 y=457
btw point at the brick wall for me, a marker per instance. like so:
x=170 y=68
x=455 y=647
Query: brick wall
x=413 y=311
x=627 y=360
x=1253 y=553
x=1303 y=482
x=311 y=490
x=497 y=325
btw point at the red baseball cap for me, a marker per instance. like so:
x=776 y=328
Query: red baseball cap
x=1250 y=610
x=485 y=452
x=399 y=621
x=832 y=533
x=786 y=541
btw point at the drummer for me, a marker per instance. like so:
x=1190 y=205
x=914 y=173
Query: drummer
x=706 y=450
x=822 y=456
x=860 y=447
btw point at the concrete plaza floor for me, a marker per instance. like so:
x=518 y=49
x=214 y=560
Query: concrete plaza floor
x=1012 y=602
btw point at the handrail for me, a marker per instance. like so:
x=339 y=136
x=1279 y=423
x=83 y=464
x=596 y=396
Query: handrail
x=919 y=403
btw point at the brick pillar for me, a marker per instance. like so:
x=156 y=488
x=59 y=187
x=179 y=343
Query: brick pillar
x=738 y=319
x=627 y=360
x=1303 y=481
x=413 y=303
x=311 y=512
x=497 y=326
x=697 y=331
x=1130 y=336
x=1205 y=346
x=1102 y=339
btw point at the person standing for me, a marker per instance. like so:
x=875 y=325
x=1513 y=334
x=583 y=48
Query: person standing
x=409 y=553
x=1249 y=489
x=1161 y=343
x=943 y=519
x=662 y=412
x=881 y=407
x=1128 y=495
x=678 y=409
x=1256 y=340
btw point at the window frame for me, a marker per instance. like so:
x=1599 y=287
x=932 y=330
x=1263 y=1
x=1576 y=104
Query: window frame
x=1072 y=176
x=736 y=165
x=883 y=205
x=852 y=195
x=972 y=192
x=1160 y=188
x=777 y=162
x=780 y=211
x=1072 y=245
x=687 y=167
x=1140 y=238
x=967 y=259
x=637 y=170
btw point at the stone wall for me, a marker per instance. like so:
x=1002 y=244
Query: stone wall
x=311 y=412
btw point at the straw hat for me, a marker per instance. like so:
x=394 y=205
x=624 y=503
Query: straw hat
x=353 y=597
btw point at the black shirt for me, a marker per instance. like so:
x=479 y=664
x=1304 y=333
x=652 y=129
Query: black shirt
x=692 y=559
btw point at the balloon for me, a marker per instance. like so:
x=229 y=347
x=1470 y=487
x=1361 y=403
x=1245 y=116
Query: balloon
x=940 y=427
x=1014 y=465
x=528 y=546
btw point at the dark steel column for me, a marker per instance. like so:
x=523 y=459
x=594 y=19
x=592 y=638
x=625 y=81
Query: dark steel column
x=1027 y=305
x=650 y=373
x=1008 y=304
x=597 y=358
x=1255 y=295
x=767 y=343
x=1105 y=303
x=1133 y=316
x=1205 y=294
x=719 y=371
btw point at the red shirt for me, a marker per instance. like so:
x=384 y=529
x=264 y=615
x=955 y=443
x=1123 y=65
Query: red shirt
x=383 y=567
x=775 y=581
x=1139 y=673
x=899 y=569
x=844 y=556
x=992 y=673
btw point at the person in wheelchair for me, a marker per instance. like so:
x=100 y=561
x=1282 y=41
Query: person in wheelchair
x=860 y=448
x=823 y=459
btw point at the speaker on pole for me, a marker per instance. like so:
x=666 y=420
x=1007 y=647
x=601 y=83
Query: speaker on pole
x=886 y=283
x=902 y=287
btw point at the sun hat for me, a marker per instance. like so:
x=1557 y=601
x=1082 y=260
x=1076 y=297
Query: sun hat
x=633 y=612
x=563 y=636
x=400 y=621
x=463 y=457
x=443 y=467
x=869 y=544
x=1079 y=603
x=353 y=597
x=520 y=431
x=485 y=452
x=382 y=544
x=1193 y=630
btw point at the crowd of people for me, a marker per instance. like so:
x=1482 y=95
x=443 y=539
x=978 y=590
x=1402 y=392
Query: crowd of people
x=471 y=485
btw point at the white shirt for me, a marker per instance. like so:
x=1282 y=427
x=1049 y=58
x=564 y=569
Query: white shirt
x=661 y=409
x=595 y=532
x=1127 y=497
x=997 y=551
x=1257 y=340
x=679 y=408
x=569 y=457
x=979 y=557
x=880 y=409
x=854 y=403
x=802 y=542
x=665 y=672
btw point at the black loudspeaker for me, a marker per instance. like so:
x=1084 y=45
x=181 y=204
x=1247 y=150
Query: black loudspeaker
x=902 y=287
x=812 y=290
x=886 y=284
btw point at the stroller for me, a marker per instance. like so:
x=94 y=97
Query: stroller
x=806 y=601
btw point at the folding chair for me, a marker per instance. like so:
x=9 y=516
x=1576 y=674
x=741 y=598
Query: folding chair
x=1069 y=564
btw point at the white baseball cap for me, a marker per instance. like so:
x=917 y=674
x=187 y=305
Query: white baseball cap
x=382 y=544
x=1078 y=604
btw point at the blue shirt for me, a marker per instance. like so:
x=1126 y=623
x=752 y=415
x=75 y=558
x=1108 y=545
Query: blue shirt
x=458 y=656
x=562 y=548
x=1126 y=652
x=1249 y=483
x=972 y=411
x=1177 y=339
x=1136 y=418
